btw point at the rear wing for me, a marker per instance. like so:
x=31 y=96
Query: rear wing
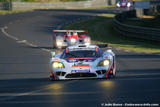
x=77 y=31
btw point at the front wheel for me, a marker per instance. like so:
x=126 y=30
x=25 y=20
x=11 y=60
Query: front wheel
x=52 y=78
x=112 y=72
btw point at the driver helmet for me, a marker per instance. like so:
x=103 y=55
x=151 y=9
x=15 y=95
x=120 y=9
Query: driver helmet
x=68 y=34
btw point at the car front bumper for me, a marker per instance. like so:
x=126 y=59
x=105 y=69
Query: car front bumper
x=99 y=72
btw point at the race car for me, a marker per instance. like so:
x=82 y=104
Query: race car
x=124 y=3
x=81 y=62
x=64 y=38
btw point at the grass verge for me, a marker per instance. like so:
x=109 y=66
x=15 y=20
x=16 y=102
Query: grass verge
x=101 y=7
x=101 y=30
x=12 y=11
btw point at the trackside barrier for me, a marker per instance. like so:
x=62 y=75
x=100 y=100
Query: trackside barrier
x=134 y=31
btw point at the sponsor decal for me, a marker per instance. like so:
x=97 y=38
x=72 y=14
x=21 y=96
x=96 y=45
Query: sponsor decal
x=75 y=49
x=77 y=60
x=80 y=64
x=56 y=59
x=81 y=71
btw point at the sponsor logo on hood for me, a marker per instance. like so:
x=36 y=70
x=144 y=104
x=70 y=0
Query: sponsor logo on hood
x=80 y=60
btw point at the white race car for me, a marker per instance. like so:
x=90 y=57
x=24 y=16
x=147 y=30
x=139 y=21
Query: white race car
x=64 y=38
x=125 y=3
x=82 y=61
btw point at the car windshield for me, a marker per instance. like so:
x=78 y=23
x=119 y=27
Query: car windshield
x=81 y=54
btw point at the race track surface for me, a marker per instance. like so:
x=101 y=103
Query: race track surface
x=25 y=45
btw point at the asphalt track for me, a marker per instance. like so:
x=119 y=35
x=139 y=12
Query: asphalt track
x=25 y=43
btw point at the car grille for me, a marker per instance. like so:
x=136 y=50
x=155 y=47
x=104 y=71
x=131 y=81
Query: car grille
x=99 y=72
x=76 y=75
x=60 y=73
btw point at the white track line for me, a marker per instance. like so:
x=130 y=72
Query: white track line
x=20 y=41
x=13 y=96
x=8 y=35
x=48 y=93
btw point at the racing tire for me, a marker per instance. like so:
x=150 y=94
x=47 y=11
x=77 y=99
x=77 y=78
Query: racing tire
x=112 y=75
x=114 y=71
x=52 y=78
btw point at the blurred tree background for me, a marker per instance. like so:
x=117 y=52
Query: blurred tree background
x=40 y=0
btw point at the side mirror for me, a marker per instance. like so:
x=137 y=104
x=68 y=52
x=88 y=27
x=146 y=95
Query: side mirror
x=53 y=54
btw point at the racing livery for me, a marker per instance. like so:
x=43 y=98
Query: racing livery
x=64 y=38
x=82 y=61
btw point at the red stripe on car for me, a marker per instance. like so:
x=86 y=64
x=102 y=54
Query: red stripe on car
x=53 y=74
x=79 y=66
x=108 y=72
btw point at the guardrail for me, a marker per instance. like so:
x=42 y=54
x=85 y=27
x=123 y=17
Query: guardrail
x=134 y=31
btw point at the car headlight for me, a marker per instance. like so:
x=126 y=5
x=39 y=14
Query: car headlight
x=73 y=40
x=105 y=62
x=87 y=40
x=118 y=5
x=57 y=65
x=129 y=4
x=59 y=42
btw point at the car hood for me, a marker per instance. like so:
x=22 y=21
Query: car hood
x=73 y=60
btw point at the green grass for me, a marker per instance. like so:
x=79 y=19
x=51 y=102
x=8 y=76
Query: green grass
x=101 y=30
x=100 y=7
x=13 y=11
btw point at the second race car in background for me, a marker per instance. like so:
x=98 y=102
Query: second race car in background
x=64 y=38
x=125 y=3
